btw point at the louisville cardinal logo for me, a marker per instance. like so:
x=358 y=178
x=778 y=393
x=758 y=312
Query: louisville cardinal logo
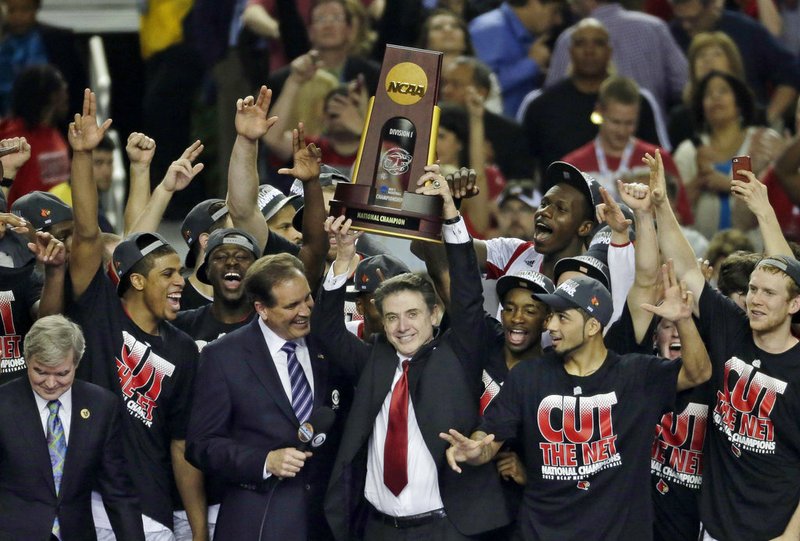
x=662 y=486
x=595 y=302
x=44 y=213
x=583 y=485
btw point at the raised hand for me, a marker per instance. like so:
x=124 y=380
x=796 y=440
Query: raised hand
x=463 y=183
x=348 y=111
x=462 y=448
x=658 y=181
x=140 y=149
x=48 y=250
x=251 y=119
x=307 y=158
x=305 y=66
x=753 y=193
x=636 y=195
x=609 y=212
x=13 y=222
x=181 y=172
x=678 y=300
x=433 y=183
x=12 y=162
x=84 y=134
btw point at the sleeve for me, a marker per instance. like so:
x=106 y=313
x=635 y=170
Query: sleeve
x=278 y=245
x=511 y=72
x=622 y=268
x=209 y=445
x=180 y=406
x=559 y=60
x=504 y=417
x=621 y=337
x=685 y=158
x=661 y=381
x=501 y=252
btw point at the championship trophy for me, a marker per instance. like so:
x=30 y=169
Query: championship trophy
x=399 y=140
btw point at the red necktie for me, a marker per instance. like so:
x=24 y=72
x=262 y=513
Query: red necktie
x=395 y=449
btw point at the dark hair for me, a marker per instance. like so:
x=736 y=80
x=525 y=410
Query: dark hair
x=32 y=93
x=455 y=119
x=144 y=265
x=422 y=41
x=347 y=13
x=735 y=271
x=220 y=223
x=408 y=281
x=619 y=89
x=741 y=92
x=106 y=144
x=481 y=74
x=726 y=242
x=269 y=271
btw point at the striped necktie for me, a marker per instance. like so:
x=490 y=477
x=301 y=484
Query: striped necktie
x=57 y=447
x=302 y=397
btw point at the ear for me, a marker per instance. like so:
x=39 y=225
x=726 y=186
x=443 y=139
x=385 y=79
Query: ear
x=261 y=309
x=203 y=240
x=586 y=227
x=436 y=314
x=138 y=281
x=594 y=327
x=794 y=305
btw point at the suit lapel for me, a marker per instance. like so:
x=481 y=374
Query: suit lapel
x=260 y=362
x=30 y=425
x=319 y=367
x=385 y=365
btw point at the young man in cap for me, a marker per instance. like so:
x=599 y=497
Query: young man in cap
x=132 y=349
x=516 y=207
x=206 y=217
x=279 y=211
x=752 y=458
x=369 y=274
x=585 y=417
x=390 y=466
x=228 y=255
x=46 y=212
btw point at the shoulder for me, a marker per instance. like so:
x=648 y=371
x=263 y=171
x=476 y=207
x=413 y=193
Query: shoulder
x=486 y=21
x=13 y=388
x=580 y=155
x=644 y=19
x=95 y=393
x=233 y=340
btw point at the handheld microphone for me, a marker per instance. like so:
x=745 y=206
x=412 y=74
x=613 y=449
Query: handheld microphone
x=313 y=432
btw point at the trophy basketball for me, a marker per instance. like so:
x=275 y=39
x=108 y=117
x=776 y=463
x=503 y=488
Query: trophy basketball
x=399 y=140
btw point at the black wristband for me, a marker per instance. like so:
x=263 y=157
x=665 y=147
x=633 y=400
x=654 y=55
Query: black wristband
x=6 y=182
x=451 y=221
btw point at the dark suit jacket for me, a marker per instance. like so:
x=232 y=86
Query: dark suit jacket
x=444 y=382
x=95 y=460
x=240 y=413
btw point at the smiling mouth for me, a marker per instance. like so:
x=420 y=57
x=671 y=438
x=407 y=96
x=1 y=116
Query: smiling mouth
x=232 y=280
x=174 y=300
x=542 y=231
x=516 y=337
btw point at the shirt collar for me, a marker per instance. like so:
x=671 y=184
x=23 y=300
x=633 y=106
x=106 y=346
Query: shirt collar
x=275 y=342
x=65 y=399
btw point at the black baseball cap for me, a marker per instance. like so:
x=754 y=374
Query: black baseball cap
x=366 y=278
x=198 y=221
x=226 y=236
x=521 y=190
x=585 y=264
x=527 y=279
x=788 y=265
x=563 y=172
x=271 y=200
x=328 y=176
x=585 y=293
x=42 y=209
x=131 y=250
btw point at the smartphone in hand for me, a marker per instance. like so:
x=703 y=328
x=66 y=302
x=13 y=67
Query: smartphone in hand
x=739 y=163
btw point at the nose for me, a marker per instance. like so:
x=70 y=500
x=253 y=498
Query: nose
x=516 y=315
x=552 y=323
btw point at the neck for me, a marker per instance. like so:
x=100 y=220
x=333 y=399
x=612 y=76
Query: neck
x=587 y=359
x=775 y=341
x=609 y=150
x=574 y=248
x=205 y=289
x=588 y=85
x=333 y=59
x=726 y=132
x=231 y=311
x=513 y=359
x=140 y=315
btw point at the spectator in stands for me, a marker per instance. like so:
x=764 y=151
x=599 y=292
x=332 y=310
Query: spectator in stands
x=723 y=106
x=559 y=119
x=785 y=177
x=513 y=41
x=38 y=105
x=723 y=244
x=642 y=50
x=790 y=28
x=709 y=51
x=516 y=208
x=505 y=142
x=767 y=64
x=733 y=276
x=27 y=42
x=615 y=153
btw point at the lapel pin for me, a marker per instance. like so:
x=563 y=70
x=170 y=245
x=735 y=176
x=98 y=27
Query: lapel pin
x=85 y=413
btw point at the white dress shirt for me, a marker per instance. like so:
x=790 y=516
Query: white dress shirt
x=64 y=412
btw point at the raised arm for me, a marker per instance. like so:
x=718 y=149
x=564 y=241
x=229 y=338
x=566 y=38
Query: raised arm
x=753 y=193
x=306 y=167
x=13 y=161
x=87 y=250
x=179 y=174
x=677 y=307
x=477 y=208
x=251 y=124
x=140 y=149
x=671 y=241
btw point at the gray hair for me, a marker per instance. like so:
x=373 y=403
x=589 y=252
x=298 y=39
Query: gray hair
x=51 y=338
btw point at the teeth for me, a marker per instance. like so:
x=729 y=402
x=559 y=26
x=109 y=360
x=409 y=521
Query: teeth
x=233 y=276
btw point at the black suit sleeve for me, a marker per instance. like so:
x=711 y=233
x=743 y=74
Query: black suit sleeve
x=338 y=344
x=115 y=485
x=209 y=444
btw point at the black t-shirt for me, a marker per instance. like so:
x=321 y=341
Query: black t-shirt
x=278 y=245
x=203 y=327
x=19 y=291
x=587 y=443
x=751 y=481
x=153 y=375
x=191 y=298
